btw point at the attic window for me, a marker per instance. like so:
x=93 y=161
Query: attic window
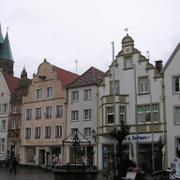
x=2 y=94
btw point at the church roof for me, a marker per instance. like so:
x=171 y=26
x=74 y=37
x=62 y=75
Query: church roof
x=90 y=77
x=66 y=77
x=1 y=36
x=12 y=82
x=5 y=51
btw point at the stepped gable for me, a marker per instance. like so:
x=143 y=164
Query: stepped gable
x=90 y=77
x=66 y=77
x=12 y=82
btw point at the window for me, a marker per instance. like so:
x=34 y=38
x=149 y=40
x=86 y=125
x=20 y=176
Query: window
x=87 y=114
x=110 y=115
x=87 y=132
x=143 y=85
x=122 y=113
x=116 y=86
x=2 y=145
x=144 y=113
x=4 y=108
x=176 y=84
x=37 y=132
x=87 y=94
x=38 y=113
x=14 y=124
x=3 y=125
x=59 y=111
x=177 y=115
x=75 y=96
x=73 y=131
x=49 y=92
x=38 y=94
x=28 y=133
x=0 y=108
x=74 y=115
x=48 y=132
x=48 y=112
x=177 y=146
x=128 y=63
x=14 y=109
x=58 y=131
x=28 y=114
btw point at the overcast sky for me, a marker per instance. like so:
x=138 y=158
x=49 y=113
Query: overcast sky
x=63 y=31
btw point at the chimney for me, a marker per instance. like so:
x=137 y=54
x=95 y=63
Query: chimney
x=159 y=65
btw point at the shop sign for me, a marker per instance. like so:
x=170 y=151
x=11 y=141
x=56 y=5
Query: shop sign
x=142 y=137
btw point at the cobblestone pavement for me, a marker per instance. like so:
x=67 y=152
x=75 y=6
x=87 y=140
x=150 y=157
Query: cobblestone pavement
x=26 y=174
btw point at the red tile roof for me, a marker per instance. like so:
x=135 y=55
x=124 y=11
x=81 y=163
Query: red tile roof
x=12 y=82
x=66 y=77
x=90 y=77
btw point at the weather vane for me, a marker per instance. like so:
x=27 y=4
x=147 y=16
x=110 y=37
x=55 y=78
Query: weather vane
x=126 y=30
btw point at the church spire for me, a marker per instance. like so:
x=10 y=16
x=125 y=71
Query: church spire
x=5 y=51
x=1 y=36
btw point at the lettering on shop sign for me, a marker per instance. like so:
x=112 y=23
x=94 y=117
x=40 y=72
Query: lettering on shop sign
x=139 y=138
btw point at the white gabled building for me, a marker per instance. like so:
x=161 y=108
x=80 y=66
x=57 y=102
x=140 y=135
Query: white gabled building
x=172 y=94
x=82 y=115
x=131 y=66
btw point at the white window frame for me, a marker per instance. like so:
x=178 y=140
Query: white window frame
x=87 y=114
x=59 y=111
x=75 y=96
x=58 y=132
x=87 y=132
x=87 y=94
x=109 y=113
x=177 y=116
x=39 y=94
x=28 y=114
x=143 y=85
x=176 y=79
x=49 y=92
x=74 y=115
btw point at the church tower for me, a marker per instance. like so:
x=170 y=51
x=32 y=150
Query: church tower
x=6 y=59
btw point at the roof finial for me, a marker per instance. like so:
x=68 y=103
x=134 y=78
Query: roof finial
x=76 y=61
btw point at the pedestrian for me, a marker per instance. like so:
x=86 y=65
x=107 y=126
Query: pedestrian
x=13 y=165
